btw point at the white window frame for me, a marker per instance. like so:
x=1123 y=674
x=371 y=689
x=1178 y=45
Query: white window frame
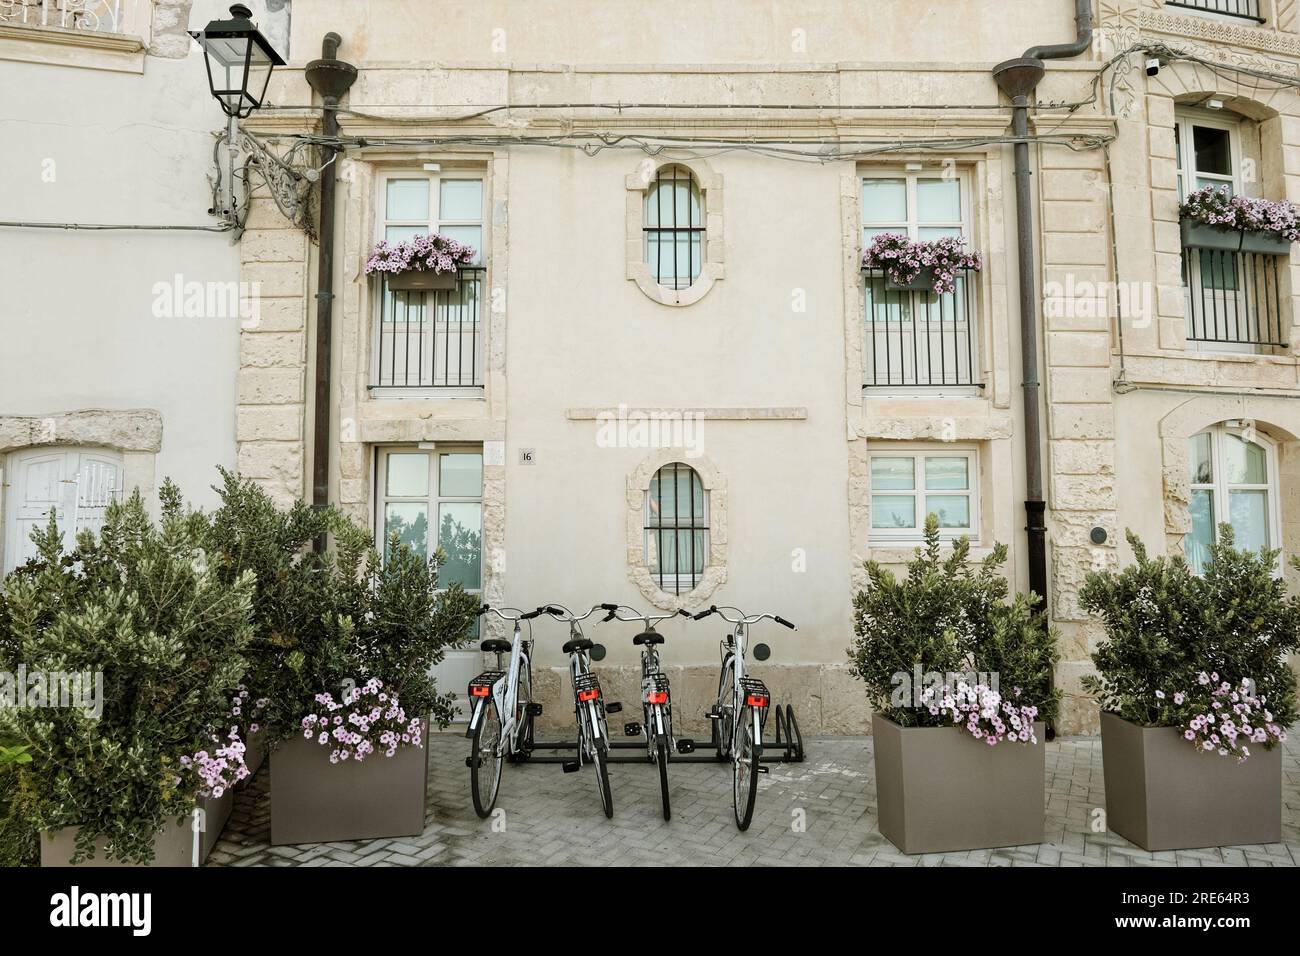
x=693 y=186
x=80 y=503
x=677 y=584
x=1185 y=120
x=911 y=225
x=432 y=500
x=918 y=453
x=1220 y=488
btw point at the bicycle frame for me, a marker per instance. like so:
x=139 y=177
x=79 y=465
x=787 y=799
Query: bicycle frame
x=505 y=693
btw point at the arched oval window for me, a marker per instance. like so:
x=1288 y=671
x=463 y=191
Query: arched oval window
x=1233 y=481
x=676 y=528
x=674 y=227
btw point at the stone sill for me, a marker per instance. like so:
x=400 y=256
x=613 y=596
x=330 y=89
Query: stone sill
x=87 y=49
x=903 y=552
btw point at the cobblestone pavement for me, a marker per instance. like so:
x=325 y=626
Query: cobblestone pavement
x=552 y=818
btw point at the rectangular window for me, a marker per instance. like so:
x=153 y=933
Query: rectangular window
x=433 y=498
x=451 y=203
x=926 y=205
x=908 y=485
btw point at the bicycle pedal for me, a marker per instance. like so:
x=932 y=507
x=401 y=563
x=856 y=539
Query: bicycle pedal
x=632 y=729
x=614 y=708
x=570 y=766
x=534 y=710
x=686 y=746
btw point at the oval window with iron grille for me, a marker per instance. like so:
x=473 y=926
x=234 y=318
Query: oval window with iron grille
x=676 y=528
x=674 y=227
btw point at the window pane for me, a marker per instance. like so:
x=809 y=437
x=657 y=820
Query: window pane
x=893 y=511
x=460 y=199
x=928 y=233
x=1248 y=514
x=677 y=552
x=884 y=200
x=947 y=473
x=1202 y=466
x=938 y=200
x=1213 y=150
x=893 y=474
x=871 y=232
x=402 y=233
x=953 y=511
x=408 y=475
x=1197 y=542
x=460 y=525
x=408 y=199
x=460 y=475
x=468 y=235
x=1203 y=181
x=1245 y=461
x=409 y=520
x=676 y=495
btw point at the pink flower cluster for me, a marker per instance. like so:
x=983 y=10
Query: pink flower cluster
x=903 y=259
x=1225 y=719
x=432 y=252
x=224 y=766
x=366 y=716
x=1218 y=207
x=983 y=713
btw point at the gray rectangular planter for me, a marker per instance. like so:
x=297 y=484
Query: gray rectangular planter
x=1197 y=235
x=417 y=280
x=938 y=789
x=315 y=801
x=1164 y=795
x=173 y=846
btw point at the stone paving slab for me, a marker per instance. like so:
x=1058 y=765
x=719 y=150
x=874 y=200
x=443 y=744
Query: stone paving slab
x=818 y=813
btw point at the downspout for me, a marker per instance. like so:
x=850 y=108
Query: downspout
x=1018 y=78
x=330 y=78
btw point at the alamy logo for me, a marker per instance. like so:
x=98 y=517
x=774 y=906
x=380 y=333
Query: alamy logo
x=656 y=428
x=133 y=910
x=38 y=689
x=179 y=299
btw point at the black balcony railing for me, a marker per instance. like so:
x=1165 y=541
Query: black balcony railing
x=1247 y=9
x=431 y=339
x=1233 y=298
x=918 y=338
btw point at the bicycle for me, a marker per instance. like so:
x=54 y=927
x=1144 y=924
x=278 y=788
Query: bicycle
x=656 y=699
x=501 y=721
x=589 y=705
x=737 y=731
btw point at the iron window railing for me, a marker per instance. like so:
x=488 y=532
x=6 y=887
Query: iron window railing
x=674 y=228
x=917 y=338
x=1247 y=9
x=677 y=528
x=432 y=338
x=100 y=16
x=1233 y=298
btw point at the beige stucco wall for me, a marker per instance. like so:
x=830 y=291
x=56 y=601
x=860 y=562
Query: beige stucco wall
x=787 y=427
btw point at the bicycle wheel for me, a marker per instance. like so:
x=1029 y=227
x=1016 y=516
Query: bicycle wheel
x=602 y=779
x=485 y=760
x=726 y=706
x=744 y=769
x=661 y=755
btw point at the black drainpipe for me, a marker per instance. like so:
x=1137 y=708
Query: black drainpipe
x=330 y=78
x=1018 y=78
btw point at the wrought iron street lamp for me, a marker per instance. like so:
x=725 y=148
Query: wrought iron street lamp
x=239 y=61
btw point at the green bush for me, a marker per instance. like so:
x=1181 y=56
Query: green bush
x=138 y=605
x=948 y=617
x=325 y=620
x=1166 y=626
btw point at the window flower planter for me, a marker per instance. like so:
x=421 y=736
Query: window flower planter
x=421 y=280
x=1163 y=795
x=924 y=282
x=315 y=801
x=939 y=789
x=1198 y=235
x=429 y=261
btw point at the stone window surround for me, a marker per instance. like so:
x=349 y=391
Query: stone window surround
x=715 y=571
x=158 y=30
x=136 y=433
x=713 y=268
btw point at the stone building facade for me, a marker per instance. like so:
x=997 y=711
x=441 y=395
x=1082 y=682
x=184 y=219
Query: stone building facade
x=670 y=214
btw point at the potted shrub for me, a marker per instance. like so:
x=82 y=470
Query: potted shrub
x=960 y=683
x=424 y=262
x=160 y=640
x=1213 y=218
x=1195 y=695
x=343 y=648
x=929 y=266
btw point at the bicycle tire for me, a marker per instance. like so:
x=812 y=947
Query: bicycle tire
x=744 y=782
x=483 y=754
x=523 y=719
x=721 y=729
x=662 y=756
x=599 y=758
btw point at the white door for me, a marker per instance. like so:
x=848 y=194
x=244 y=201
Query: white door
x=78 y=483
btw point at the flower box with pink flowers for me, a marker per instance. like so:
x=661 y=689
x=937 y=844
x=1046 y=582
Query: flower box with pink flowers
x=959 y=678
x=1211 y=218
x=422 y=263
x=1195 y=695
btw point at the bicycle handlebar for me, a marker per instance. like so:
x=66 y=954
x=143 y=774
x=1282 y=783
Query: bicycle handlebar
x=649 y=620
x=743 y=618
x=562 y=613
x=519 y=615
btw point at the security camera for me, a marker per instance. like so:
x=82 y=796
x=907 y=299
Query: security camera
x=1153 y=66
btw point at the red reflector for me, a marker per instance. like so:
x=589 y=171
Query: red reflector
x=586 y=695
x=657 y=697
x=480 y=690
x=756 y=700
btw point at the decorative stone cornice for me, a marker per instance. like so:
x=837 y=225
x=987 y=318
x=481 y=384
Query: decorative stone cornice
x=1218 y=32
